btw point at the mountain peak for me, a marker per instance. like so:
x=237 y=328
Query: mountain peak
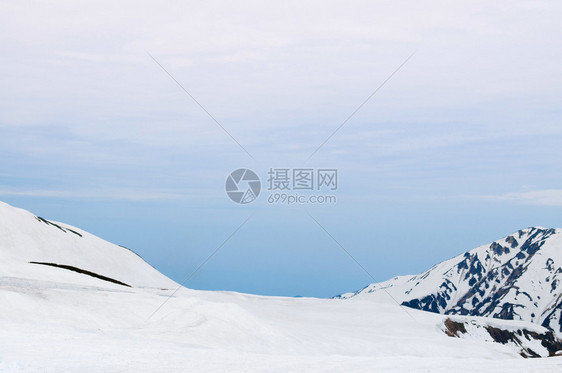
x=515 y=278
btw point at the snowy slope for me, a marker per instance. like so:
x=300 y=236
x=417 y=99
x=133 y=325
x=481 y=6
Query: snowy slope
x=517 y=277
x=53 y=319
x=49 y=328
x=25 y=238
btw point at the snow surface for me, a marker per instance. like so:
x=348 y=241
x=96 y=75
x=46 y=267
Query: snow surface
x=55 y=320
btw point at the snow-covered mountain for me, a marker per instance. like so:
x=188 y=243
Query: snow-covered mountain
x=515 y=278
x=70 y=301
x=35 y=248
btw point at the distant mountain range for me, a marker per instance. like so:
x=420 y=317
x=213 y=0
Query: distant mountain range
x=515 y=278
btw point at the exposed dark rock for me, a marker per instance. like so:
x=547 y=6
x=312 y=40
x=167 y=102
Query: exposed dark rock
x=453 y=328
x=76 y=233
x=65 y=230
x=519 y=337
x=82 y=271
x=512 y=241
x=50 y=223
x=498 y=249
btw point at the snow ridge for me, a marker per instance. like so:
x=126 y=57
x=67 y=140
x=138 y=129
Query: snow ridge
x=35 y=248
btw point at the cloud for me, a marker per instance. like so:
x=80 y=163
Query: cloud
x=124 y=195
x=546 y=197
x=83 y=102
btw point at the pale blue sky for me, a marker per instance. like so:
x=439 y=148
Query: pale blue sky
x=461 y=147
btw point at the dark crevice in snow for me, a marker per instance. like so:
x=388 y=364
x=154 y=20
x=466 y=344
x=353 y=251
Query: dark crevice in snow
x=50 y=223
x=82 y=271
x=76 y=233
x=57 y=226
